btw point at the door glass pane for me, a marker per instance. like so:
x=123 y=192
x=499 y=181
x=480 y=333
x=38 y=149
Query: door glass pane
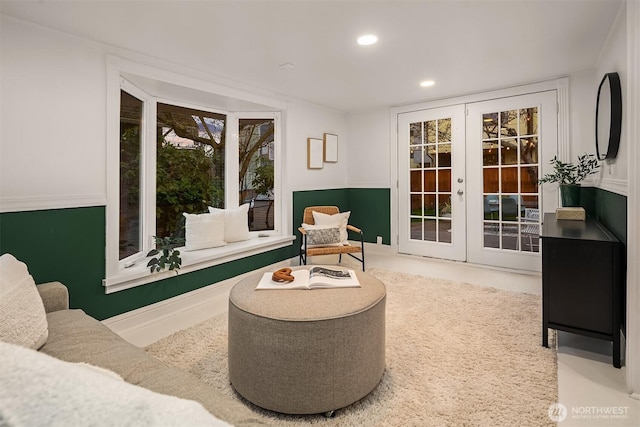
x=416 y=204
x=491 y=206
x=429 y=205
x=529 y=121
x=430 y=132
x=444 y=205
x=490 y=126
x=430 y=233
x=510 y=174
x=415 y=133
x=491 y=234
x=489 y=153
x=430 y=180
x=509 y=123
x=510 y=237
x=415 y=158
x=416 y=228
x=444 y=130
x=131 y=113
x=444 y=180
x=529 y=151
x=509 y=152
x=444 y=155
x=530 y=228
x=529 y=179
x=415 y=178
x=491 y=180
x=444 y=231
x=509 y=180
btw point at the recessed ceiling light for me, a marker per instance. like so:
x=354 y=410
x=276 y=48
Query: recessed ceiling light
x=367 y=39
x=427 y=83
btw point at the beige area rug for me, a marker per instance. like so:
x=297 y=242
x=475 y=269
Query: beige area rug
x=456 y=355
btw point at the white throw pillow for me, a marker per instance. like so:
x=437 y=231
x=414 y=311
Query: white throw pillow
x=322 y=235
x=236 y=223
x=40 y=390
x=203 y=231
x=340 y=219
x=23 y=320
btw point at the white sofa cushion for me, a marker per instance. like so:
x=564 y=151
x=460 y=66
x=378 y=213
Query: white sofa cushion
x=71 y=394
x=236 y=223
x=23 y=320
x=203 y=231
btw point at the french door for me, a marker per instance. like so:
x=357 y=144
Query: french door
x=467 y=180
x=431 y=174
x=509 y=141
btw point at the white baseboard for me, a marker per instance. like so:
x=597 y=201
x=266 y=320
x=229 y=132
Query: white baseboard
x=148 y=324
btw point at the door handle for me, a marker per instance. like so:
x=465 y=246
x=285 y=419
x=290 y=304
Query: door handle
x=460 y=192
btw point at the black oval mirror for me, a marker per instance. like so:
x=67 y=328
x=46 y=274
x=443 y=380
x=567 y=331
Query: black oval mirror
x=608 y=117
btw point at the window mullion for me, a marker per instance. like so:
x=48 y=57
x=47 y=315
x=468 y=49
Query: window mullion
x=149 y=176
x=232 y=168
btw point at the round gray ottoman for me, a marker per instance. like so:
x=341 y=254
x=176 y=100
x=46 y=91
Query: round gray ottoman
x=306 y=351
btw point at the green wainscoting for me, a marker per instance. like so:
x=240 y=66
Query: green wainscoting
x=370 y=208
x=68 y=245
x=608 y=208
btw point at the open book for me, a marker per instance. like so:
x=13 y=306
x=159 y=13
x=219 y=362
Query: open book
x=313 y=278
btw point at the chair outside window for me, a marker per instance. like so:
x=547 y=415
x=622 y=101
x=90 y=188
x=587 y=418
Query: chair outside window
x=531 y=229
x=308 y=248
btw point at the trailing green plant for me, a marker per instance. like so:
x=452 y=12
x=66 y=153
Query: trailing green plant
x=169 y=255
x=570 y=173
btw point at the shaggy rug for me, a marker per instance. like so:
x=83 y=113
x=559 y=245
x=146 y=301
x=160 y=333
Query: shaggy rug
x=456 y=355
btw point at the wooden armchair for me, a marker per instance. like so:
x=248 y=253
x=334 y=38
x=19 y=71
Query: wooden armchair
x=306 y=251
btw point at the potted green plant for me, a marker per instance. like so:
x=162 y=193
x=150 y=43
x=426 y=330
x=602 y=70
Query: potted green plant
x=169 y=255
x=569 y=176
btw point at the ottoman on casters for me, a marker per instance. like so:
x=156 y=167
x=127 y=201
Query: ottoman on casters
x=306 y=351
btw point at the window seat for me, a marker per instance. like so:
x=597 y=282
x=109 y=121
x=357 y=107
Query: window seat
x=139 y=273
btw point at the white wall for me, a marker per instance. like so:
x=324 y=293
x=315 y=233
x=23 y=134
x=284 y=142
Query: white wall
x=582 y=112
x=312 y=121
x=53 y=116
x=613 y=58
x=53 y=121
x=368 y=150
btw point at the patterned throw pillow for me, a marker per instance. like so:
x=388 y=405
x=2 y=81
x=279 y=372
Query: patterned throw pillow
x=336 y=220
x=321 y=235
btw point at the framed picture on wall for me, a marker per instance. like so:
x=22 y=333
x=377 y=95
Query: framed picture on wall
x=314 y=153
x=330 y=148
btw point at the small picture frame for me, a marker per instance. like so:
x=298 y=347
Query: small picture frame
x=330 y=148
x=314 y=153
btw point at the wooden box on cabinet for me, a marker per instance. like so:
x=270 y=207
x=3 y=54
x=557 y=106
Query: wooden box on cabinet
x=582 y=280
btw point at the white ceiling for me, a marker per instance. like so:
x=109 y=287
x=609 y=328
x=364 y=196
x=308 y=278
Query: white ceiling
x=465 y=46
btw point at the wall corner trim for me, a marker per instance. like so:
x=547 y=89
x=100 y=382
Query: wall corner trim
x=41 y=203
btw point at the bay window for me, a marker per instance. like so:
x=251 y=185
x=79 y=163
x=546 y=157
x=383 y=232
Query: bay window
x=174 y=156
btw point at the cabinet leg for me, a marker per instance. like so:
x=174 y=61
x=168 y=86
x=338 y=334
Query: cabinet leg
x=545 y=336
x=616 y=351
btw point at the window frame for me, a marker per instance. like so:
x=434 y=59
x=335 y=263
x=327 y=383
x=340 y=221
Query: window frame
x=132 y=271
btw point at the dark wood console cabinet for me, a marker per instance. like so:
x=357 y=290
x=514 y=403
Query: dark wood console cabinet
x=582 y=280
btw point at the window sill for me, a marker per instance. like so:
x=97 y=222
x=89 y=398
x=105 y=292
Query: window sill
x=195 y=260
